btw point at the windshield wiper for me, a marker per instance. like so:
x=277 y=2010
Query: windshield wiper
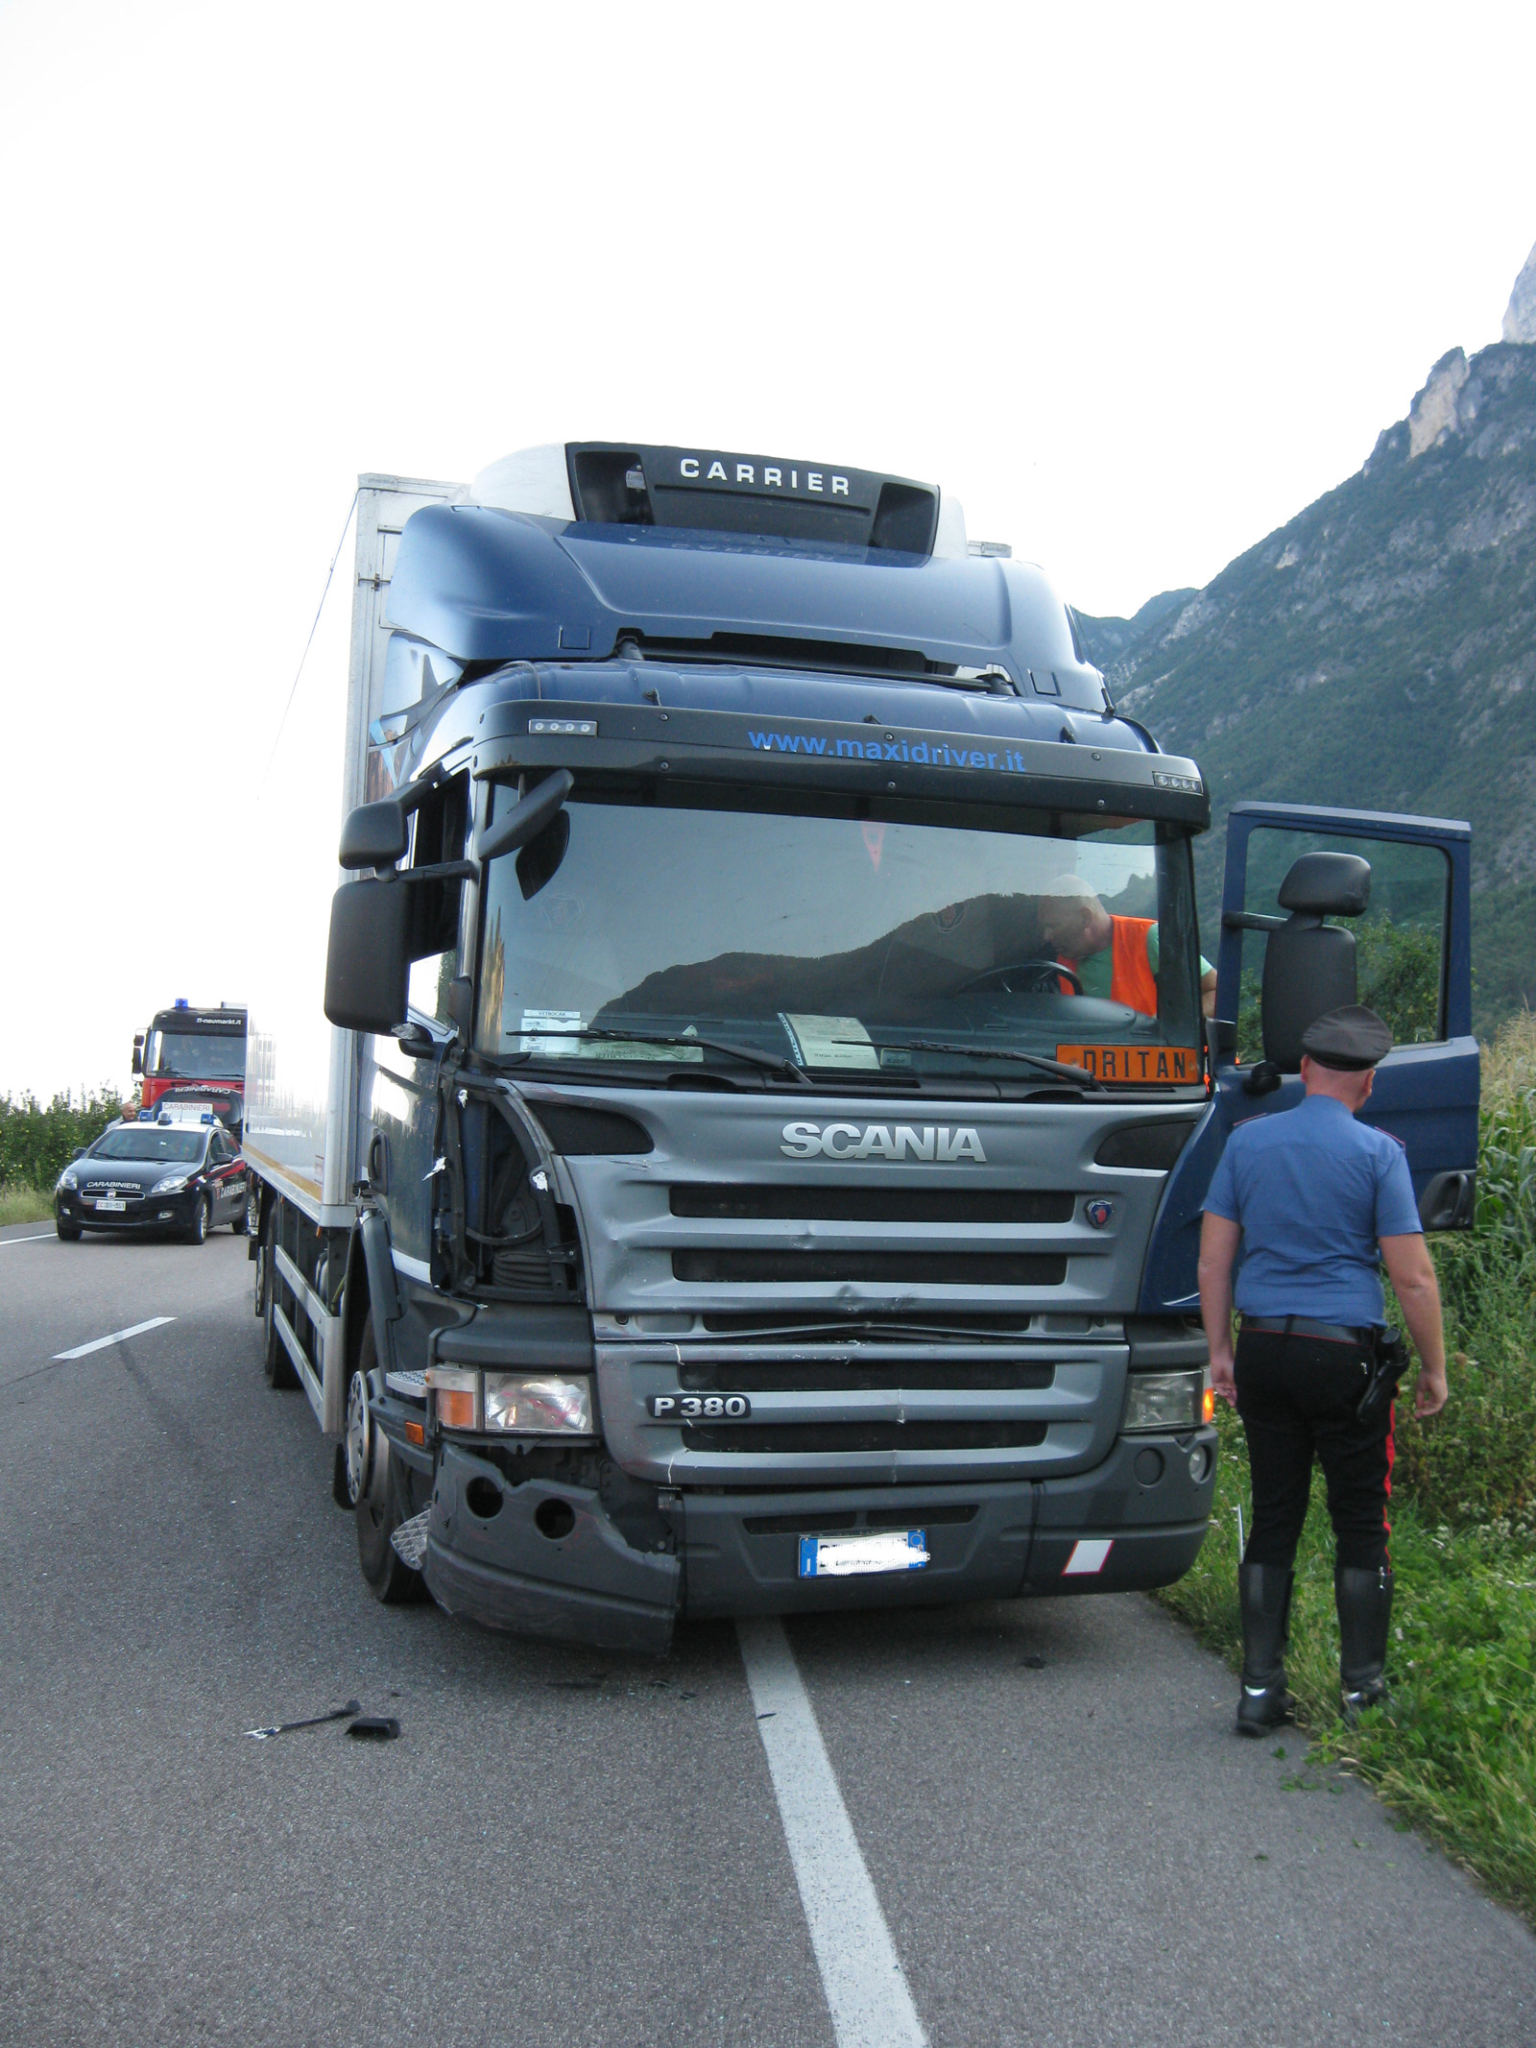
x=771 y=1062
x=1080 y=1075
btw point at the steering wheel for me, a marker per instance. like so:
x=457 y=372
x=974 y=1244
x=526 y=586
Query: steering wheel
x=1037 y=976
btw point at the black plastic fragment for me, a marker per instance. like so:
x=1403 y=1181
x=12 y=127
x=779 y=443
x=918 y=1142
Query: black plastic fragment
x=375 y=1728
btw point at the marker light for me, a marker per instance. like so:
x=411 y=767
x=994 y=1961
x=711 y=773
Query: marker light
x=1208 y=1405
x=455 y=1396
x=542 y=1406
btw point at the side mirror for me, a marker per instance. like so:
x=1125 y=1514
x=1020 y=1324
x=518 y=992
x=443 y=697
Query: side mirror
x=367 y=963
x=373 y=836
x=1309 y=966
x=527 y=817
x=138 y=1058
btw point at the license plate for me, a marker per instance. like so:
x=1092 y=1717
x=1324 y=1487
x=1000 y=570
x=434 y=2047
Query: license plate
x=875 y=1550
x=110 y=1202
x=699 y=1407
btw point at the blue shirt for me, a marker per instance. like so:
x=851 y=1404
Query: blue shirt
x=1313 y=1189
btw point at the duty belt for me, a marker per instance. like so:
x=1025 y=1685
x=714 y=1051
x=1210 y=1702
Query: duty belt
x=1303 y=1326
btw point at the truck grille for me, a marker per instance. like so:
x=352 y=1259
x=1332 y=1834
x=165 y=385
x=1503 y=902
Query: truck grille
x=903 y=1268
x=870 y=1205
x=862 y=1436
x=860 y=1376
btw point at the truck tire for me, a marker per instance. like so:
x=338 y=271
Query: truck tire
x=276 y=1365
x=381 y=1502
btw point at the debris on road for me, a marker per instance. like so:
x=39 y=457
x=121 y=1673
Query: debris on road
x=315 y=1721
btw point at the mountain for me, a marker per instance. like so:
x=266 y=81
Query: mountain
x=1379 y=651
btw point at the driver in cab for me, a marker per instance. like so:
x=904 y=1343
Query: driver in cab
x=1109 y=955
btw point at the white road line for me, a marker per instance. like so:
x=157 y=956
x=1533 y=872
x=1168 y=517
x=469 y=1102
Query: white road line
x=117 y=1336
x=27 y=1240
x=861 y=1972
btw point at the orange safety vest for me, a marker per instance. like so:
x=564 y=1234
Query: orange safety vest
x=1131 y=979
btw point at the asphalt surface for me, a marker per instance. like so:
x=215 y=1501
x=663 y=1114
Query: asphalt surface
x=1068 y=1844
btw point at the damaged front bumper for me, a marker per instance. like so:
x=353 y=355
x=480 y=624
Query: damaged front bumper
x=615 y=1563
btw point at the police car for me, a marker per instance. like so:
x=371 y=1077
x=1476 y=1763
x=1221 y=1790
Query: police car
x=167 y=1173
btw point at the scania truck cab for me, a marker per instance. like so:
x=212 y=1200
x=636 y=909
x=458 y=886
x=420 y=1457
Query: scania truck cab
x=722 y=1192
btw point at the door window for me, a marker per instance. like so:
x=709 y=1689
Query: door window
x=1399 y=942
x=438 y=834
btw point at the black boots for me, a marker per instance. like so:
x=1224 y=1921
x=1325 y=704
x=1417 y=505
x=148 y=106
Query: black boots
x=1364 y=1600
x=1265 y=1593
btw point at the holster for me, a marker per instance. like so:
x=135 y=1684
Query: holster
x=1389 y=1359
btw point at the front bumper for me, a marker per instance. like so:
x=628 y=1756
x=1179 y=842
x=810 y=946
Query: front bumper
x=545 y=1558
x=147 y=1213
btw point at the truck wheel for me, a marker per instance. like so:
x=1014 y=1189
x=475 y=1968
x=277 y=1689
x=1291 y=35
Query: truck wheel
x=381 y=1502
x=70 y=1232
x=197 y=1230
x=276 y=1365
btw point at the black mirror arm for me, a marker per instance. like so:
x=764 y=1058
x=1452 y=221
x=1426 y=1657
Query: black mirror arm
x=528 y=816
x=440 y=871
x=415 y=1041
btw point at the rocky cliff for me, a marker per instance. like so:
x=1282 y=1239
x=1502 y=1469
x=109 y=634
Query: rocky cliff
x=1380 y=650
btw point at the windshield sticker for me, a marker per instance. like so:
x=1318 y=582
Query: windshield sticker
x=536 y=1023
x=1171 y=1063
x=829 y=1041
x=548 y=1033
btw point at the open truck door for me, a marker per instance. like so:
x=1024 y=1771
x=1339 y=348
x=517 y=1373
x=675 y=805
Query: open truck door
x=1319 y=908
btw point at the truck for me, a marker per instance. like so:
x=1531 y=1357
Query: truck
x=718 y=1189
x=196 y=1057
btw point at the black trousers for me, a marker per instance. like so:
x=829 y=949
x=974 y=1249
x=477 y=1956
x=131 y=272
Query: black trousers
x=1296 y=1397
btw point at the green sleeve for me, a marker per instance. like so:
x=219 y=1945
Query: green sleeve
x=1152 y=954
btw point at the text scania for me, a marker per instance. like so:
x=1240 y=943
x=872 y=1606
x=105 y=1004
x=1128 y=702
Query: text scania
x=933 y=753
x=882 y=1141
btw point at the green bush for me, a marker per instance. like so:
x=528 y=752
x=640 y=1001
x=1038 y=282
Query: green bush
x=38 y=1139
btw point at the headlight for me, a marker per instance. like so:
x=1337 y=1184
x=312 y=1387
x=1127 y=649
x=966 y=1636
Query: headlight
x=172 y=1184
x=68 y=1179
x=542 y=1406
x=520 y=1403
x=1163 y=1400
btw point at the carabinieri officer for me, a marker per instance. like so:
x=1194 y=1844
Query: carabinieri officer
x=1316 y=1199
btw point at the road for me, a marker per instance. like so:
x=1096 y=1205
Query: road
x=1048 y=1819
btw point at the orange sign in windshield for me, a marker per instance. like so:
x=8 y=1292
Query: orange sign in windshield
x=1169 y=1064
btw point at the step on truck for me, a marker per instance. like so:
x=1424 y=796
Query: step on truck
x=733 y=1177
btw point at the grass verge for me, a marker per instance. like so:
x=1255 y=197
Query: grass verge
x=20 y=1203
x=1456 y=1755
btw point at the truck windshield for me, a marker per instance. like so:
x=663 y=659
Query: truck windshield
x=195 y=1055
x=909 y=946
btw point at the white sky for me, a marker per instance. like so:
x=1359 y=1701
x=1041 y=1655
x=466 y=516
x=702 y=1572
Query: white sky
x=1136 y=282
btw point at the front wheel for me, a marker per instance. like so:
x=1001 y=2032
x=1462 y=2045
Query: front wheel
x=69 y=1232
x=197 y=1229
x=376 y=1487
